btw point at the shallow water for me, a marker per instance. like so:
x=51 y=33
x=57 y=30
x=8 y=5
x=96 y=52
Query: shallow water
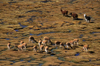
x=23 y=26
x=94 y=32
x=16 y=30
x=83 y=40
x=15 y=37
x=7 y=38
x=81 y=36
x=77 y=54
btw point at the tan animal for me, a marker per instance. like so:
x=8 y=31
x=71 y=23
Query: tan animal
x=20 y=47
x=85 y=48
x=62 y=45
x=31 y=39
x=68 y=45
x=46 y=49
x=57 y=43
x=24 y=45
x=71 y=43
x=39 y=42
x=48 y=39
x=76 y=41
x=44 y=42
x=41 y=47
x=21 y=42
x=35 y=48
x=8 y=45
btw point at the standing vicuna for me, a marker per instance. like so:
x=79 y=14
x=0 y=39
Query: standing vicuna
x=44 y=42
x=46 y=49
x=35 y=48
x=39 y=42
x=41 y=47
x=68 y=45
x=64 y=12
x=21 y=42
x=59 y=43
x=85 y=48
x=8 y=45
x=31 y=39
x=76 y=42
x=20 y=47
x=74 y=15
x=87 y=18
x=47 y=39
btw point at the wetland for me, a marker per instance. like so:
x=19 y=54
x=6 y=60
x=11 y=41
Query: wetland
x=20 y=19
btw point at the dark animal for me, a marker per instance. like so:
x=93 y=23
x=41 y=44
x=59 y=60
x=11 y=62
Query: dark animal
x=74 y=15
x=64 y=12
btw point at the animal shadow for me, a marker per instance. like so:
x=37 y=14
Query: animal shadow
x=78 y=19
x=67 y=16
x=91 y=22
x=41 y=51
x=91 y=52
x=67 y=49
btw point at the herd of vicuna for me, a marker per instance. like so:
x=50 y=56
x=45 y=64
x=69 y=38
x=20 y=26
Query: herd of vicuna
x=46 y=40
x=44 y=44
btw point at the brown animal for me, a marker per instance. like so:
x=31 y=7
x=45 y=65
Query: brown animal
x=76 y=41
x=57 y=43
x=64 y=12
x=44 y=42
x=48 y=40
x=32 y=39
x=85 y=48
x=25 y=45
x=71 y=43
x=61 y=44
x=8 y=45
x=39 y=42
x=41 y=47
x=68 y=45
x=35 y=48
x=21 y=42
x=46 y=49
x=74 y=15
x=20 y=47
